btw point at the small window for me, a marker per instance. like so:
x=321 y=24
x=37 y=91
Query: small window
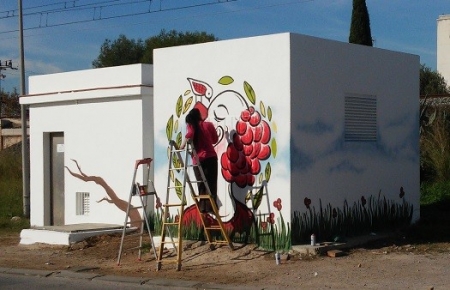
x=360 y=118
x=82 y=203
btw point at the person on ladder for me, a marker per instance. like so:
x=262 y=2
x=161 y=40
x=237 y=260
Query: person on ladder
x=203 y=136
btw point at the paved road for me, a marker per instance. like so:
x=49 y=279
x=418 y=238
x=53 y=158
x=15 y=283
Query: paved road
x=12 y=279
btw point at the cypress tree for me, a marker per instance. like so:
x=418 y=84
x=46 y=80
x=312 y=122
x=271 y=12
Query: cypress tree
x=360 y=26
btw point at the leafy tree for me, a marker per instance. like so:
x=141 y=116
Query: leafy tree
x=9 y=104
x=119 y=52
x=174 y=38
x=360 y=25
x=128 y=51
x=432 y=82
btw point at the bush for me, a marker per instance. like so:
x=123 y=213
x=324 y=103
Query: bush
x=11 y=182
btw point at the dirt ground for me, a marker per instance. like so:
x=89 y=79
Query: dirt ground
x=386 y=263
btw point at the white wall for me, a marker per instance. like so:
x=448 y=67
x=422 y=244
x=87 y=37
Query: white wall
x=443 y=46
x=103 y=130
x=324 y=165
x=304 y=81
x=262 y=62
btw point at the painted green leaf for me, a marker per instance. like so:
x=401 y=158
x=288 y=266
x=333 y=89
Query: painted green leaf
x=226 y=80
x=187 y=105
x=169 y=128
x=274 y=127
x=179 y=106
x=261 y=178
x=269 y=113
x=179 y=139
x=273 y=147
x=172 y=175
x=268 y=171
x=262 y=109
x=187 y=92
x=175 y=126
x=258 y=198
x=248 y=196
x=179 y=190
x=249 y=92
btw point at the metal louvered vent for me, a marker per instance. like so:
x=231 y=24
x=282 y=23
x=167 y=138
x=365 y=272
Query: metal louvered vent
x=360 y=118
x=82 y=206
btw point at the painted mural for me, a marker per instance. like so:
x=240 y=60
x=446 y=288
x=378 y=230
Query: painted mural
x=245 y=148
x=134 y=215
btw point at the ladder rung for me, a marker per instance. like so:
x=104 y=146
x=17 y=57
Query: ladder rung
x=174 y=204
x=171 y=224
x=203 y=196
x=213 y=228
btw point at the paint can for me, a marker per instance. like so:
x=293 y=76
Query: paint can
x=277 y=258
x=313 y=240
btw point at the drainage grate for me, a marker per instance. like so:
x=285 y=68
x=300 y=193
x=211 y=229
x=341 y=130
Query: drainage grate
x=82 y=203
x=360 y=118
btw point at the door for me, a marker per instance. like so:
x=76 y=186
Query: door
x=57 y=179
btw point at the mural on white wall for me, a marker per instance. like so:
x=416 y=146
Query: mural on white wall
x=134 y=215
x=245 y=148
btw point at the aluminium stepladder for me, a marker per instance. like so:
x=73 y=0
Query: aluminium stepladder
x=261 y=218
x=181 y=164
x=131 y=224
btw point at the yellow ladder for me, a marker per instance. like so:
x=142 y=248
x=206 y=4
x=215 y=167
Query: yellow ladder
x=133 y=226
x=177 y=166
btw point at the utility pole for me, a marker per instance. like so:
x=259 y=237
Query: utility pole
x=23 y=117
x=4 y=65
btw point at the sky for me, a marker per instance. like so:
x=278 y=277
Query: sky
x=61 y=36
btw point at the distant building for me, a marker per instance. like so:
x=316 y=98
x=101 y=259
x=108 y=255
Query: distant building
x=443 y=46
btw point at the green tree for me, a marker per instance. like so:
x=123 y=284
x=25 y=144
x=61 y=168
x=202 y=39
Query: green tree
x=128 y=51
x=9 y=104
x=432 y=82
x=119 y=52
x=360 y=25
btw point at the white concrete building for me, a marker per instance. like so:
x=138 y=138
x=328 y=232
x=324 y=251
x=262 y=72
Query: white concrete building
x=328 y=123
x=443 y=46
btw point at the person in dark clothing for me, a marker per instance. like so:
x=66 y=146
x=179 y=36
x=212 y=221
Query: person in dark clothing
x=203 y=136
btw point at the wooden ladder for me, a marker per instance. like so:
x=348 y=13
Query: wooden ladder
x=180 y=165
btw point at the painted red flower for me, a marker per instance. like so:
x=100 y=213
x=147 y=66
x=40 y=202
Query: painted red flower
x=158 y=203
x=264 y=225
x=307 y=202
x=402 y=192
x=277 y=204
x=271 y=218
x=363 y=200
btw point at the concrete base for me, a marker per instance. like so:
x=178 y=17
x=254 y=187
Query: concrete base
x=65 y=235
x=68 y=234
x=322 y=248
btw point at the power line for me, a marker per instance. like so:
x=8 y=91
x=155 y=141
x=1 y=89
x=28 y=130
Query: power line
x=97 y=10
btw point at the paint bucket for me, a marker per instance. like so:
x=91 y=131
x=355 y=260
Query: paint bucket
x=313 y=240
x=277 y=258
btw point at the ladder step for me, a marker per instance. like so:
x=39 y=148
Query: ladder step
x=171 y=224
x=174 y=204
x=213 y=228
x=175 y=187
x=203 y=196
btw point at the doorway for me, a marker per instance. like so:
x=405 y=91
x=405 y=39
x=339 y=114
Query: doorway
x=57 y=179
